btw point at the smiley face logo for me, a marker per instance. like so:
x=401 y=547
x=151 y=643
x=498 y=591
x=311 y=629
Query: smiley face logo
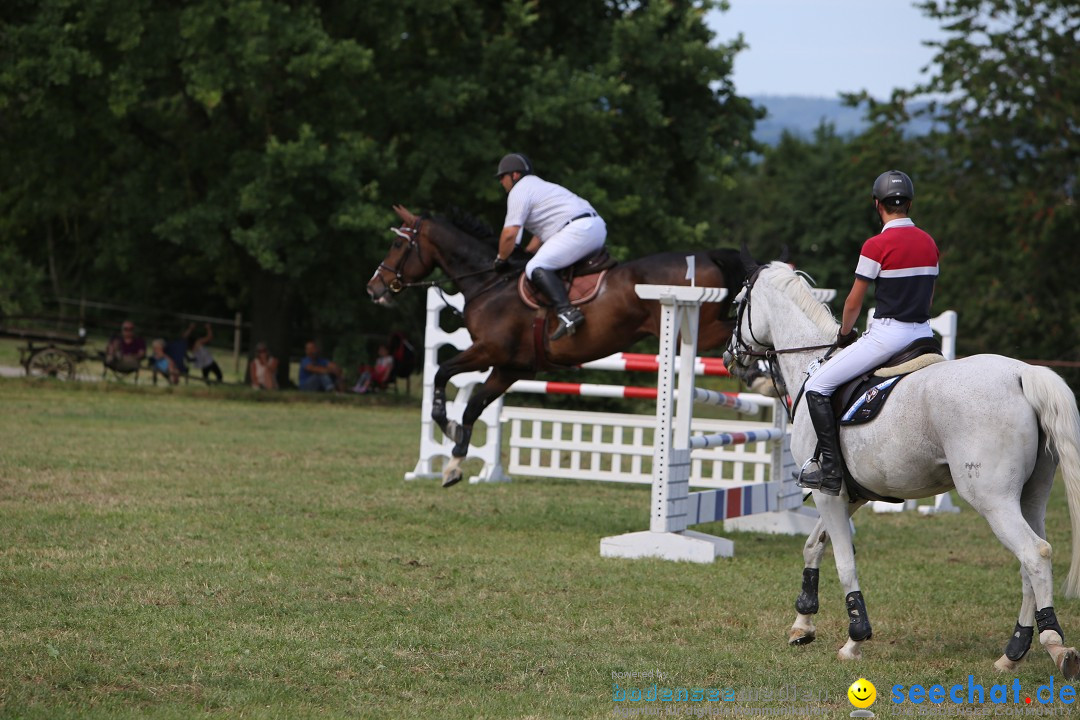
x=862 y=693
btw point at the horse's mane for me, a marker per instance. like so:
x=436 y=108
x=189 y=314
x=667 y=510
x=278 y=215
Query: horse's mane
x=469 y=224
x=794 y=286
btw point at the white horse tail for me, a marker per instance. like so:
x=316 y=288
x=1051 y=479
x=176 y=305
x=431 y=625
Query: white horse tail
x=1055 y=404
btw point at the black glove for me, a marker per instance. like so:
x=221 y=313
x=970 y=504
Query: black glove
x=843 y=340
x=499 y=265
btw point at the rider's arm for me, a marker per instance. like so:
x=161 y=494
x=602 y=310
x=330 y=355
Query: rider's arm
x=533 y=246
x=853 y=305
x=507 y=240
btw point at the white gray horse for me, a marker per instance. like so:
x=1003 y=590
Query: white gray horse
x=992 y=427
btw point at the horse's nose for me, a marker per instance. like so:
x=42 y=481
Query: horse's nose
x=371 y=293
x=380 y=295
x=732 y=364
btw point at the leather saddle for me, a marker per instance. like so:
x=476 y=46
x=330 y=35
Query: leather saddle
x=582 y=279
x=860 y=399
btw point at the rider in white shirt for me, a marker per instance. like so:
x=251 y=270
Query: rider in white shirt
x=564 y=227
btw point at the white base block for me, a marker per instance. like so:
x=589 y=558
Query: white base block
x=942 y=504
x=784 y=522
x=490 y=475
x=888 y=507
x=687 y=545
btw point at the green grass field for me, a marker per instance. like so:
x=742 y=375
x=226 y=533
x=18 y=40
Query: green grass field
x=189 y=552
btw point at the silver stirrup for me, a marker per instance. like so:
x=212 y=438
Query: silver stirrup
x=802 y=470
x=567 y=324
x=563 y=330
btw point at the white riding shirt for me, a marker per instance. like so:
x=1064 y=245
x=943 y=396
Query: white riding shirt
x=541 y=207
x=567 y=225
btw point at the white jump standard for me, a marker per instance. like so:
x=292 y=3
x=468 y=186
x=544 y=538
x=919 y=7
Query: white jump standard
x=673 y=508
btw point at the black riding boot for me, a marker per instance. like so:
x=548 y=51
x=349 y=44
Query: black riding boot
x=569 y=316
x=829 y=477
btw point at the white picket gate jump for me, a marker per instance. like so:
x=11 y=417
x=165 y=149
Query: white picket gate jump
x=581 y=445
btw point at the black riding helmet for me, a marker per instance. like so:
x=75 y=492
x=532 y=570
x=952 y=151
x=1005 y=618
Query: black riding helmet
x=514 y=162
x=894 y=188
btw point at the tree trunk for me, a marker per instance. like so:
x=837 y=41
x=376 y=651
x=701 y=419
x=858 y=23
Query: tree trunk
x=54 y=277
x=271 y=318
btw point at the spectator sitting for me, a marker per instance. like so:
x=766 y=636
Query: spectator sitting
x=317 y=373
x=201 y=355
x=162 y=364
x=383 y=371
x=404 y=358
x=125 y=351
x=177 y=352
x=263 y=369
x=363 y=379
x=378 y=377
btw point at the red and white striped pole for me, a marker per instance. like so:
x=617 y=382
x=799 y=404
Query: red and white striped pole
x=640 y=362
x=746 y=403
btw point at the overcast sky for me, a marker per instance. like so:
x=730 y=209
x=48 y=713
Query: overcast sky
x=823 y=47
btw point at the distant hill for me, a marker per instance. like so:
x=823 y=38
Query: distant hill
x=802 y=115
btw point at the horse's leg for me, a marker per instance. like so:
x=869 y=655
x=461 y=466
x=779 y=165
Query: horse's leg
x=473 y=358
x=802 y=630
x=834 y=512
x=1020 y=640
x=1025 y=541
x=1034 y=554
x=1033 y=500
x=496 y=384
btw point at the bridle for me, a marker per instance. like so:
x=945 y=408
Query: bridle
x=411 y=235
x=739 y=348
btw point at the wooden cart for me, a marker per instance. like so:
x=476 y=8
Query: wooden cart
x=46 y=352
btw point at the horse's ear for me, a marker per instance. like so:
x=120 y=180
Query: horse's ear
x=404 y=214
x=748 y=261
x=785 y=253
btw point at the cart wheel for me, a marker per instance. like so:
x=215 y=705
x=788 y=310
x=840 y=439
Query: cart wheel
x=51 y=362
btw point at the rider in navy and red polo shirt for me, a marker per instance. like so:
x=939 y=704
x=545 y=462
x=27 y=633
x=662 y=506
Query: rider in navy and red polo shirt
x=903 y=263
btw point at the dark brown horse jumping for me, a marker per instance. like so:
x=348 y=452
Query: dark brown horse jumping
x=502 y=326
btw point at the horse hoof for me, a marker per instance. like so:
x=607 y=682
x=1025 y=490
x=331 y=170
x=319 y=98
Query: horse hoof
x=802 y=631
x=1069 y=664
x=850 y=651
x=1005 y=665
x=451 y=474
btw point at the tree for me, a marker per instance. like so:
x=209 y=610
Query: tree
x=814 y=196
x=995 y=179
x=1006 y=100
x=628 y=103
x=248 y=153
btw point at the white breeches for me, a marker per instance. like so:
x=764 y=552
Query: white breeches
x=577 y=240
x=884 y=339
